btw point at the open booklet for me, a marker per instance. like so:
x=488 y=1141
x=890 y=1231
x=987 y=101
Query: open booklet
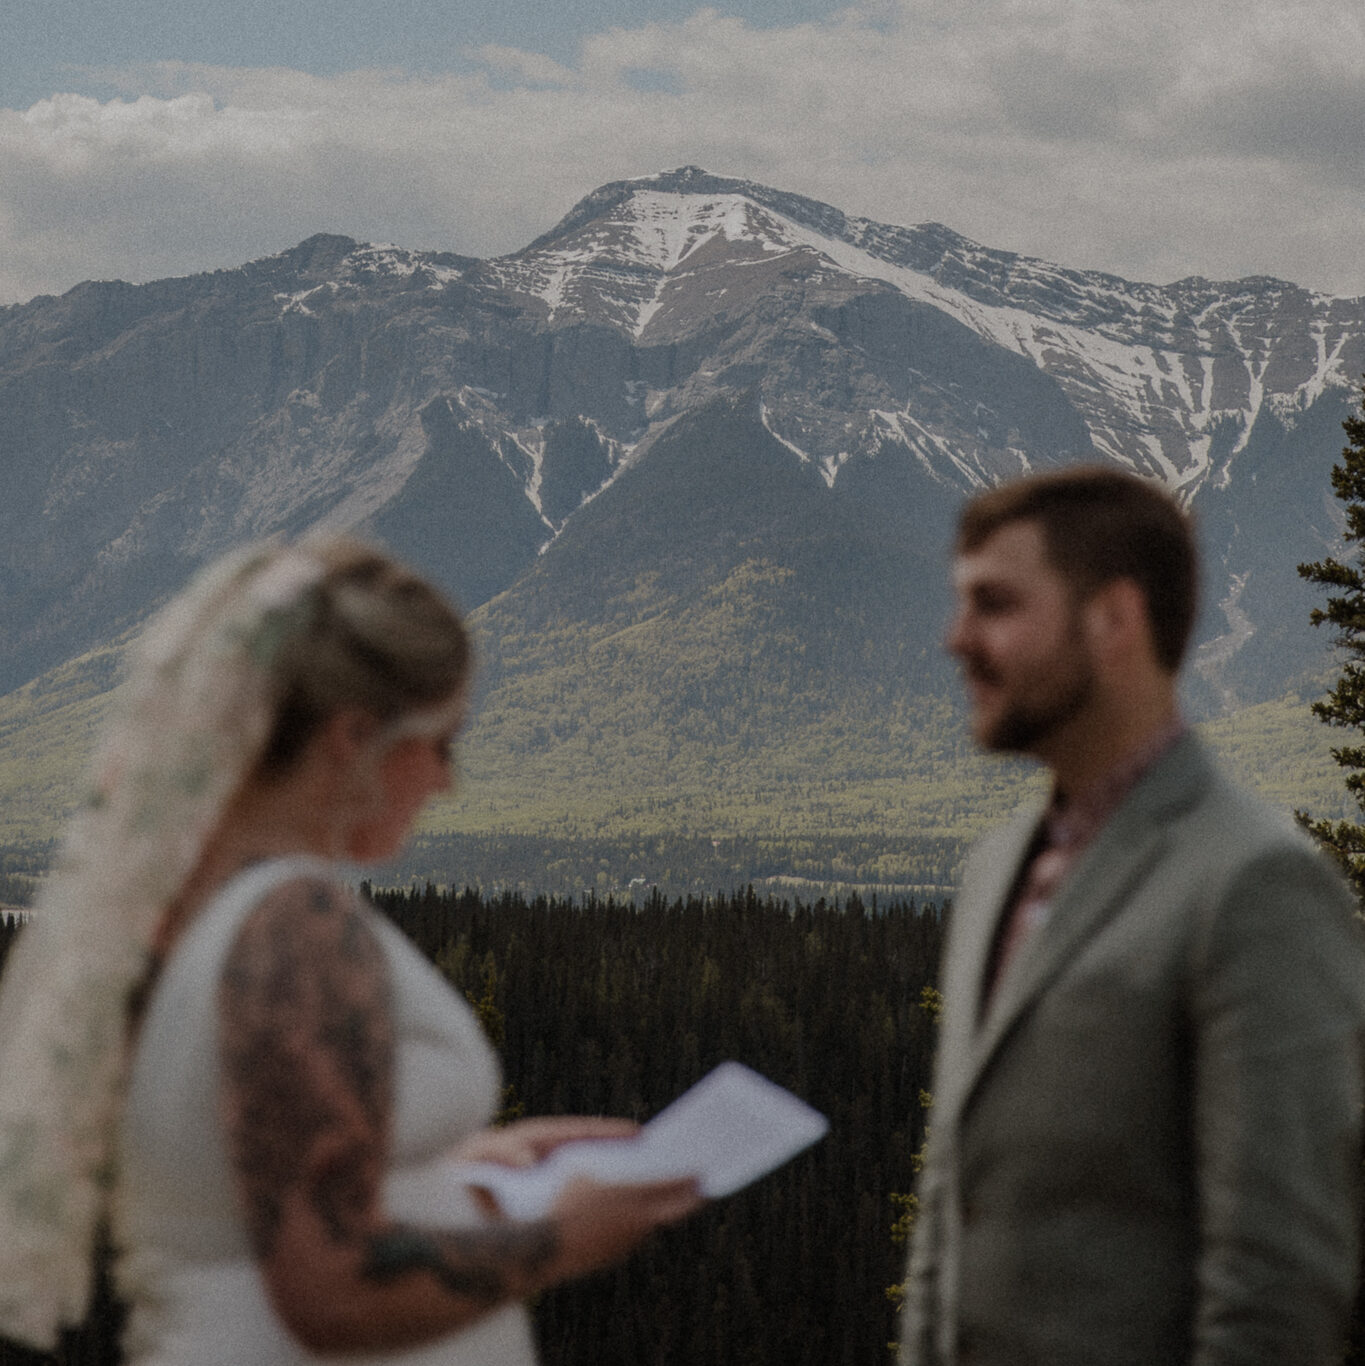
x=729 y=1129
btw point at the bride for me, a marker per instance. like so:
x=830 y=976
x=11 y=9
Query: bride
x=211 y=1046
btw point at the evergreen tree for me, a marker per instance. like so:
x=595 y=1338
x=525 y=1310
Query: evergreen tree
x=1345 y=704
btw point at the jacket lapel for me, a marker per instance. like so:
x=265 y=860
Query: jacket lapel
x=992 y=877
x=1097 y=887
x=1101 y=883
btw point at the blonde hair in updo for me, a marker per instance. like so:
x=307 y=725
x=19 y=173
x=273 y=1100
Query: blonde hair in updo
x=373 y=636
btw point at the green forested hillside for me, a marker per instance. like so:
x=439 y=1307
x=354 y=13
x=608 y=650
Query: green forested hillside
x=48 y=729
x=713 y=676
x=609 y=757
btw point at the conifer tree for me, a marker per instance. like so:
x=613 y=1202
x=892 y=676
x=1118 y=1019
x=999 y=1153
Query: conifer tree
x=1344 y=705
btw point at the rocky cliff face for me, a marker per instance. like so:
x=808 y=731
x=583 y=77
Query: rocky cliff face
x=491 y=418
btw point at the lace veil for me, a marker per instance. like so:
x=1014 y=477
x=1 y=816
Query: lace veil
x=191 y=721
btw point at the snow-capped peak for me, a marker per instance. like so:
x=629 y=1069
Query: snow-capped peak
x=667 y=228
x=1168 y=379
x=1156 y=370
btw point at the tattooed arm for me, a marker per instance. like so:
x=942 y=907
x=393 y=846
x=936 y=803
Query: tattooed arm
x=307 y=1089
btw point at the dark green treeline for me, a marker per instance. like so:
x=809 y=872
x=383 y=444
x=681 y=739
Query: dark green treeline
x=605 y=1007
x=918 y=866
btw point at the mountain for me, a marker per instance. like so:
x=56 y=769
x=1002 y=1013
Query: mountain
x=690 y=459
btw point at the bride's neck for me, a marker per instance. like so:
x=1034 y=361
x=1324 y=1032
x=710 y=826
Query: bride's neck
x=265 y=820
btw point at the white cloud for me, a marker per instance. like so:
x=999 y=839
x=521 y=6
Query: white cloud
x=1152 y=138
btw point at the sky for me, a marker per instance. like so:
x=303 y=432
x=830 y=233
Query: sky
x=1153 y=139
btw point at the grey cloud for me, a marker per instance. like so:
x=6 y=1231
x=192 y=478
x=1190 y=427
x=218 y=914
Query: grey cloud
x=1137 y=138
x=1316 y=124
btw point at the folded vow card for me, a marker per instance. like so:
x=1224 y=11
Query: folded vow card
x=729 y=1129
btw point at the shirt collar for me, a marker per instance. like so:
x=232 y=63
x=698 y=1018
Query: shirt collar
x=1071 y=822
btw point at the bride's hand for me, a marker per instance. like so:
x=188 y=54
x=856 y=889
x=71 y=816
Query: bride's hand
x=528 y=1141
x=599 y=1223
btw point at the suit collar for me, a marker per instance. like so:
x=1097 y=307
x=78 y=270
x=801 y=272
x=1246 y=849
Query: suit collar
x=1121 y=855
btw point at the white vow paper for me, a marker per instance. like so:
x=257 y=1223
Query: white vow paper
x=729 y=1129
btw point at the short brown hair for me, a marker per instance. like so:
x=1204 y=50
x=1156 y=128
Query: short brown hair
x=1099 y=525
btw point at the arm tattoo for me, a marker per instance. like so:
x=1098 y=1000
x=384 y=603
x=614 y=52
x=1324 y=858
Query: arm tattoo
x=307 y=1060
x=307 y=1055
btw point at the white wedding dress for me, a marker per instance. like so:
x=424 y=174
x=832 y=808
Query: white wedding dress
x=196 y=1296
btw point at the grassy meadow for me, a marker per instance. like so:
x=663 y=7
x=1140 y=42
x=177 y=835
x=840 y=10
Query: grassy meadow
x=848 y=796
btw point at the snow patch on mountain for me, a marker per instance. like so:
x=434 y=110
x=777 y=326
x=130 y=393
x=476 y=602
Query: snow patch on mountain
x=629 y=255
x=895 y=424
x=297 y=302
x=790 y=445
x=828 y=465
x=1213 y=656
x=925 y=445
x=1125 y=385
x=831 y=465
x=532 y=445
x=667 y=228
x=621 y=455
x=649 y=309
x=1330 y=371
x=385 y=259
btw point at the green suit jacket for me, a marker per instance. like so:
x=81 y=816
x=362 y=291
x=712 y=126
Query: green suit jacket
x=1146 y=1149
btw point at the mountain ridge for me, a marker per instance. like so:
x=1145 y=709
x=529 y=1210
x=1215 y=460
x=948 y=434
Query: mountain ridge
x=695 y=408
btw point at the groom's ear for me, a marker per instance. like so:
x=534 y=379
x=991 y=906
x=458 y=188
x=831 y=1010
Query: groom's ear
x=1117 y=625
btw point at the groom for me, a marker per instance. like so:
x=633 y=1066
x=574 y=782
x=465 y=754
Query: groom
x=1145 y=1141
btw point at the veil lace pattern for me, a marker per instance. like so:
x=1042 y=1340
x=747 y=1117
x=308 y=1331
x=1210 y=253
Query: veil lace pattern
x=192 y=719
